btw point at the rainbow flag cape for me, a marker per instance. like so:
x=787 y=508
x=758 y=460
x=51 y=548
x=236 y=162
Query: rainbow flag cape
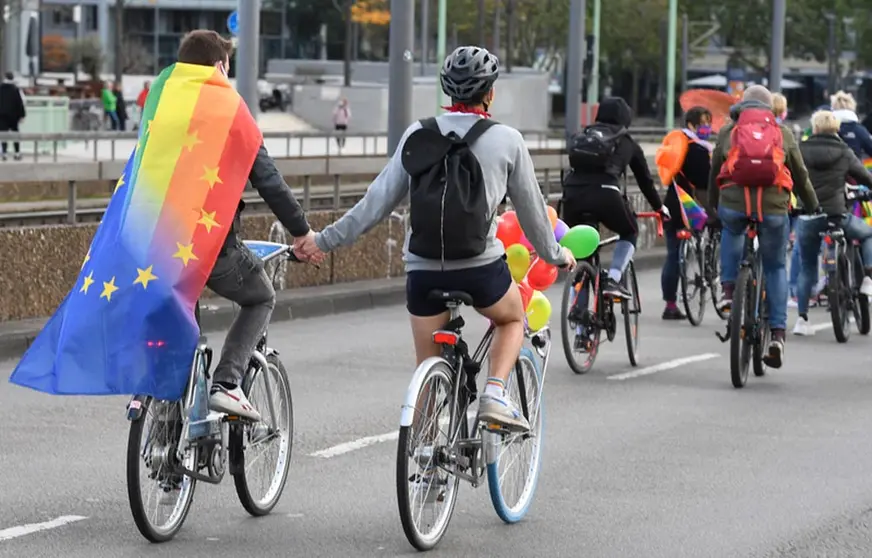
x=693 y=216
x=127 y=326
x=868 y=163
x=863 y=210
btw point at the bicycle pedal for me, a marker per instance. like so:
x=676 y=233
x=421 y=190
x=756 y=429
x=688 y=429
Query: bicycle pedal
x=496 y=429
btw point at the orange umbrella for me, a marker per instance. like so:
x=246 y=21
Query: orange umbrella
x=717 y=102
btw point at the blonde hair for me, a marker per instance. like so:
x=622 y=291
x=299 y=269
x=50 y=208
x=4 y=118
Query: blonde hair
x=779 y=104
x=824 y=122
x=843 y=101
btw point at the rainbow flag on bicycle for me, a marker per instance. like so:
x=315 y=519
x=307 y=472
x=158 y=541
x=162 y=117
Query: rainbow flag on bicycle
x=148 y=263
x=692 y=215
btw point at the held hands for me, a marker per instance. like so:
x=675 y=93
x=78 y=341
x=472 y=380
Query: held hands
x=306 y=249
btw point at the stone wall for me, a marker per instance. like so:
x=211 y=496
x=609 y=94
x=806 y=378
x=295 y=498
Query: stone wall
x=41 y=264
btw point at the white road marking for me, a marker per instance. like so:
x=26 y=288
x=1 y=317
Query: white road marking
x=668 y=365
x=21 y=530
x=819 y=327
x=353 y=445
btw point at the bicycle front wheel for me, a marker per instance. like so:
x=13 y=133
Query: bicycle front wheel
x=713 y=271
x=741 y=322
x=631 y=308
x=426 y=486
x=691 y=274
x=261 y=452
x=838 y=295
x=514 y=473
x=579 y=329
x=159 y=497
x=764 y=333
x=861 y=303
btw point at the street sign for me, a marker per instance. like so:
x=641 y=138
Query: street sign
x=233 y=22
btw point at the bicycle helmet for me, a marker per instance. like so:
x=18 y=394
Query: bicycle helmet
x=468 y=73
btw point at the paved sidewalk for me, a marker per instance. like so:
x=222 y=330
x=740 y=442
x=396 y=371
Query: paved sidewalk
x=292 y=304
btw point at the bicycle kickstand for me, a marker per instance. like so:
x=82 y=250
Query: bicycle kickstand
x=724 y=337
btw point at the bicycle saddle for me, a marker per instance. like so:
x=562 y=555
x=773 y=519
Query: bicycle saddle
x=459 y=297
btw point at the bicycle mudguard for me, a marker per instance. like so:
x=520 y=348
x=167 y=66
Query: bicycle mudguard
x=411 y=400
x=134 y=407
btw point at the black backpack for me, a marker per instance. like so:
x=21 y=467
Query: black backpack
x=449 y=214
x=594 y=149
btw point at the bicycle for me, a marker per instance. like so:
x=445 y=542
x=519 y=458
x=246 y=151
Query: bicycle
x=440 y=444
x=747 y=328
x=588 y=324
x=692 y=273
x=844 y=277
x=201 y=445
x=712 y=274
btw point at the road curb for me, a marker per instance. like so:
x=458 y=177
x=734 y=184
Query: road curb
x=296 y=304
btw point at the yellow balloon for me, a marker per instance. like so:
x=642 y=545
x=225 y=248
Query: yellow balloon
x=538 y=311
x=518 y=259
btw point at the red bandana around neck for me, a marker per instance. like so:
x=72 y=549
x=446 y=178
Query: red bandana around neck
x=458 y=107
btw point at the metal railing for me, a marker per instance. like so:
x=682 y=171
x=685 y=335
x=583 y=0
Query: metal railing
x=112 y=146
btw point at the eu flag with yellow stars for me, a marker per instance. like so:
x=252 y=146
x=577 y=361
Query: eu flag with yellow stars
x=127 y=327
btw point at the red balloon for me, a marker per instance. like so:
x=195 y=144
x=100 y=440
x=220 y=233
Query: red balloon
x=526 y=292
x=541 y=275
x=508 y=229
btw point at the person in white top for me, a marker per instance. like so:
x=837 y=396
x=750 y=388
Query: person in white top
x=341 y=118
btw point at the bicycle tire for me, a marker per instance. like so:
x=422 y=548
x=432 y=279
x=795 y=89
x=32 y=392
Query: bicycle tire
x=517 y=511
x=631 y=316
x=153 y=533
x=692 y=249
x=419 y=540
x=586 y=274
x=861 y=303
x=713 y=271
x=283 y=460
x=764 y=335
x=740 y=346
x=837 y=296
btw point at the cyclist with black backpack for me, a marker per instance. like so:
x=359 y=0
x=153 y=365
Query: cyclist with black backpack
x=456 y=169
x=599 y=156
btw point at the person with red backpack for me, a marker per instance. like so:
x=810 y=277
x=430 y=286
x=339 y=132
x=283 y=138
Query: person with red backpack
x=684 y=159
x=756 y=164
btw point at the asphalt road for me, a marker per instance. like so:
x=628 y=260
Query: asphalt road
x=668 y=464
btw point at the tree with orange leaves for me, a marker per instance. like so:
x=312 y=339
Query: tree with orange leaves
x=371 y=12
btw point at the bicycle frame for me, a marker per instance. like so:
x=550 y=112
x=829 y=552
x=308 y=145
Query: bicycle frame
x=750 y=259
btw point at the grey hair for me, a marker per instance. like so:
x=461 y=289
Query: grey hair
x=758 y=93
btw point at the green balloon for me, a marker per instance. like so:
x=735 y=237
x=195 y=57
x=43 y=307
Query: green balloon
x=582 y=241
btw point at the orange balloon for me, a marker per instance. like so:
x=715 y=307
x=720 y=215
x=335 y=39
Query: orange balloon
x=526 y=292
x=552 y=216
x=541 y=275
x=508 y=229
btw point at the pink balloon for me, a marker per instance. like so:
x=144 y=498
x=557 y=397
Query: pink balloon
x=525 y=243
x=560 y=230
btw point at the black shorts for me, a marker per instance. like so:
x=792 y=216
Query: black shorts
x=591 y=205
x=486 y=284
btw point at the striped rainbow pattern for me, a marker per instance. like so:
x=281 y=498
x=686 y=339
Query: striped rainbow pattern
x=694 y=215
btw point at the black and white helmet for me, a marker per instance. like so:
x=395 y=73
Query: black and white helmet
x=468 y=72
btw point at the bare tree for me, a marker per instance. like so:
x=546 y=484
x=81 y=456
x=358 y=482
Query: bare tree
x=118 y=57
x=136 y=57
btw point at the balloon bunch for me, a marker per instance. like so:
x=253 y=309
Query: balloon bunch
x=534 y=274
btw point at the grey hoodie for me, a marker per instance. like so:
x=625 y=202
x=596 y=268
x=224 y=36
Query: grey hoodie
x=507 y=169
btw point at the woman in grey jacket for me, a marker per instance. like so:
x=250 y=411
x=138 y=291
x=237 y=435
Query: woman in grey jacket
x=829 y=161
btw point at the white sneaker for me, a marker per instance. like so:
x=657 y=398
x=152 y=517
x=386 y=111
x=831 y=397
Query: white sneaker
x=792 y=303
x=866 y=286
x=233 y=402
x=802 y=327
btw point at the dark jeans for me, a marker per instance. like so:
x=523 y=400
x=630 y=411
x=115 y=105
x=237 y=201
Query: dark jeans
x=239 y=276
x=113 y=118
x=9 y=126
x=669 y=276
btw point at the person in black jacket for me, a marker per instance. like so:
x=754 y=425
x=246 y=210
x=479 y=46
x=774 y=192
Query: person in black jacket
x=829 y=161
x=11 y=111
x=594 y=195
x=121 y=107
x=693 y=179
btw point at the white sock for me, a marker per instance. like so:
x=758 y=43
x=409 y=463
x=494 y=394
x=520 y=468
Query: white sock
x=494 y=387
x=615 y=275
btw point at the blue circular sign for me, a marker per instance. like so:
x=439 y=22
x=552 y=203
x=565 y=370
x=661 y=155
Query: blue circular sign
x=233 y=22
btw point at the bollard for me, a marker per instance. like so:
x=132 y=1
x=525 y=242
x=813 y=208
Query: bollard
x=71 y=202
x=307 y=193
x=336 y=192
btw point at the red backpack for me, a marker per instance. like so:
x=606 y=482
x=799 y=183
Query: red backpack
x=756 y=156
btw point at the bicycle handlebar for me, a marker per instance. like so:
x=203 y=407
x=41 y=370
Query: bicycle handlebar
x=653 y=215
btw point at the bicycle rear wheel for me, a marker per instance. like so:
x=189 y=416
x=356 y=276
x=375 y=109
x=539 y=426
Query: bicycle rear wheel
x=741 y=321
x=264 y=447
x=764 y=334
x=691 y=266
x=861 y=303
x=151 y=458
x=631 y=308
x=838 y=295
x=514 y=473
x=426 y=488
x=581 y=336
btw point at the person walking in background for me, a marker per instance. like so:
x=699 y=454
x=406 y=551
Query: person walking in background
x=140 y=101
x=110 y=104
x=120 y=107
x=12 y=111
x=341 y=118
